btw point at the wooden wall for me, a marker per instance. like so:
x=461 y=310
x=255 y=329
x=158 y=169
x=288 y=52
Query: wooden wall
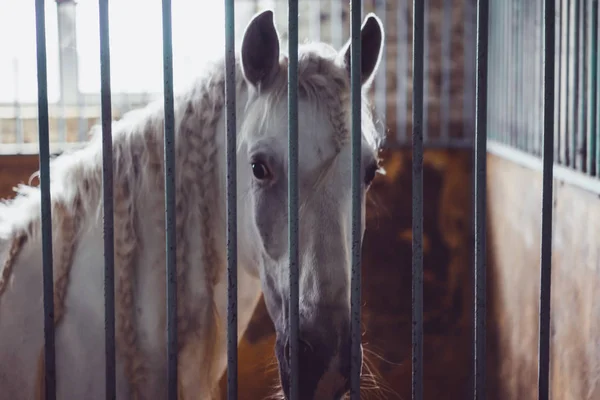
x=386 y=280
x=514 y=207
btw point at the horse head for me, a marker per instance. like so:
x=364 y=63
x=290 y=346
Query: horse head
x=324 y=184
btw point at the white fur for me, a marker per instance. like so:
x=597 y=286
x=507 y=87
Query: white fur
x=80 y=333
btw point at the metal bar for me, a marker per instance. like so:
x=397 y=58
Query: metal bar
x=401 y=68
x=170 y=218
x=355 y=295
x=446 y=66
x=108 y=203
x=579 y=138
x=564 y=88
x=230 y=126
x=417 y=200
x=336 y=25
x=558 y=47
x=46 y=206
x=572 y=85
x=480 y=195
x=518 y=126
x=592 y=94
x=381 y=78
x=537 y=46
x=469 y=66
x=315 y=19
x=513 y=75
x=426 y=72
x=17 y=105
x=293 y=197
x=546 y=248
x=597 y=14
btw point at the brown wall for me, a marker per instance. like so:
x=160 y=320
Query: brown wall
x=386 y=280
x=514 y=247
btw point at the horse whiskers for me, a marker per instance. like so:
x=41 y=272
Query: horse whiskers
x=379 y=356
x=371 y=380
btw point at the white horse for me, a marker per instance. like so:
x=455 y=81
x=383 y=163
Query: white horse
x=325 y=232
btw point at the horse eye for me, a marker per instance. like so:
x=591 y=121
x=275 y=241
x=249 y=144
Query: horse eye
x=370 y=173
x=260 y=171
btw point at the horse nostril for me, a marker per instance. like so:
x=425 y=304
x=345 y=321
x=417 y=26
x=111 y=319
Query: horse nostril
x=304 y=349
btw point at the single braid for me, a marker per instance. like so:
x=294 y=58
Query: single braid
x=15 y=248
x=69 y=224
x=125 y=258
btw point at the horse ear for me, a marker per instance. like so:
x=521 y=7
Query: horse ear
x=260 y=49
x=371 y=44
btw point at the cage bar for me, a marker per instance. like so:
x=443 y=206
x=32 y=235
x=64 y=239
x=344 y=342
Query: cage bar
x=480 y=196
x=591 y=93
x=170 y=217
x=230 y=126
x=401 y=67
x=546 y=245
x=46 y=206
x=579 y=138
x=355 y=295
x=597 y=36
x=417 y=200
x=107 y=203
x=293 y=197
x=381 y=100
x=446 y=38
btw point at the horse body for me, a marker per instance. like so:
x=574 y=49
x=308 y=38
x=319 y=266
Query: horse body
x=140 y=297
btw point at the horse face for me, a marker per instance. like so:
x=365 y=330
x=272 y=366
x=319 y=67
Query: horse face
x=325 y=228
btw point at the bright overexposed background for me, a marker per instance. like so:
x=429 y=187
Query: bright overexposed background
x=135 y=43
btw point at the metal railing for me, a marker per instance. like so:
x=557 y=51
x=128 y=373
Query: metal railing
x=418 y=29
x=516 y=107
x=448 y=93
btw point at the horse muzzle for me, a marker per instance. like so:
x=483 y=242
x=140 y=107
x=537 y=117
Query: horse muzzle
x=323 y=370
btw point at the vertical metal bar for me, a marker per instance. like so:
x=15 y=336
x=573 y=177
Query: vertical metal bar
x=592 y=94
x=426 y=72
x=108 y=203
x=558 y=72
x=381 y=78
x=597 y=51
x=293 y=196
x=401 y=68
x=446 y=66
x=230 y=124
x=417 y=200
x=520 y=134
x=17 y=105
x=513 y=75
x=564 y=88
x=579 y=138
x=336 y=25
x=469 y=66
x=548 y=157
x=572 y=76
x=46 y=206
x=507 y=40
x=170 y=218
x=315 y=19
x=537 y=79
x=82 y=121
x=480 y=195
x=356 y=89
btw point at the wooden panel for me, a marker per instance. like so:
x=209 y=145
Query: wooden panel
x=514 y=245
x=15 y=170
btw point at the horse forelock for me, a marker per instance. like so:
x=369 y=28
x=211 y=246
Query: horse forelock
x=324 y=82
